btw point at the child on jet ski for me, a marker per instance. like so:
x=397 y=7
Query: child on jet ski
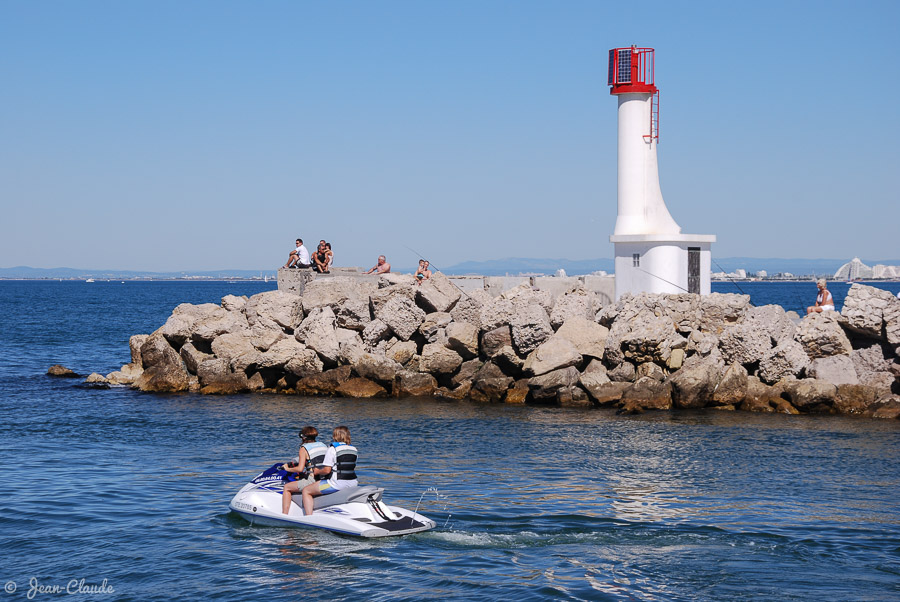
x=339 y=467
x=311 y=454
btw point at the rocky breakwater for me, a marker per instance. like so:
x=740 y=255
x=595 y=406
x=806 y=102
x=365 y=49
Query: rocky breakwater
x=391 y=337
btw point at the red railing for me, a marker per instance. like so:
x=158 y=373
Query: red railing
x=631 y=70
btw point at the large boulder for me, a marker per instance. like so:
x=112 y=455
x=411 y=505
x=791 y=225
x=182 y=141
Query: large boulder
x=233 y=345
x=489 y=384
x=493 y=340
x=437 y=359
x=417 y=384
x=530 y=327
x=179 y=326
x=554 y=385
x=280 y=354
x=264 y=335
x=374 y=332
x=647 y=394
x=217 y=378
x=402 y=316
x=771 y=319
x=361 y=388
x=335 y=291
x=732 y=388
x=401 y=351
x=834 y=369
x=596 y=382
x=554 y=354
x=496 y=313
x=822 y=336
x=323 y=383
x=126 y=376
x=304 y=363
x=380 y=297
x=694 y=385
x=719 y=310
x=377 y=367
x=744 y=343
x=873 y=312
x=193 y=357
x=785 y=360
x=874 y=365
x=588 y=337
x=208 y=328
x=282 y=308
x=134 y=344
x=509 y=361
x=650 y=339
x=467 y=309
x=577 y=303
x=433 y=323
x=317 y=332
x=810 y=394
x=462 y=338
x=354 y=314
x=164 y=371
x=438 y=293
x=234 y=302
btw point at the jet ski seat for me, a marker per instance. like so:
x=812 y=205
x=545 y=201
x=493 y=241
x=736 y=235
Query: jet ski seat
x=344 y=496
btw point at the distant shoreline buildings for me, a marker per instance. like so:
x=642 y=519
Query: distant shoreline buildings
x=852 y=270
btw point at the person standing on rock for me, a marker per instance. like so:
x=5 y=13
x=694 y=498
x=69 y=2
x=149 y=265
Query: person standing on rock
x=312 y=453
x=382 y=267
x=824 y=300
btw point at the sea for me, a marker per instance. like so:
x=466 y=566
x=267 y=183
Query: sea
x=114 y=494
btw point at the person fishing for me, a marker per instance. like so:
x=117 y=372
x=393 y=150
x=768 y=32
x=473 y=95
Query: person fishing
x=339 y=467
x=311 y=454
x=824 y=300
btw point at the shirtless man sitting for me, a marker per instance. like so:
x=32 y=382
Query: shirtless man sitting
x=382 y=267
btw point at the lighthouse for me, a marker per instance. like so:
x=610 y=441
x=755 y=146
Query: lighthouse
x=651 y=253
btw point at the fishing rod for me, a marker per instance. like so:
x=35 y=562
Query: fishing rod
x=729 y=277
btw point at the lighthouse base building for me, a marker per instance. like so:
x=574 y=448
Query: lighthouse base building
x=662 y=263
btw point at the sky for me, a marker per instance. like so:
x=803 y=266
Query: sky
x=172 y=135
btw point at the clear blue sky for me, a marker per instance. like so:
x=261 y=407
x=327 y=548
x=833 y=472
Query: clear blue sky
x=174 y=135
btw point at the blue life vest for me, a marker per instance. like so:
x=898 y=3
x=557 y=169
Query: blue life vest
x=345 y=462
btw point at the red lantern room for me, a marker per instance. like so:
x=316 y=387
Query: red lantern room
x=631 y=70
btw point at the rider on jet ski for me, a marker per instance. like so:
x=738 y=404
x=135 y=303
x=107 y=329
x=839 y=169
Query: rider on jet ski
x=339 y=467
x=311 y=455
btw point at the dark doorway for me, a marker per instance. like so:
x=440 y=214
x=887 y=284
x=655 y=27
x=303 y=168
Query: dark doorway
x=694 y=270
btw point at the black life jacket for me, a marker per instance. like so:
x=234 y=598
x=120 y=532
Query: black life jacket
x=345 y=463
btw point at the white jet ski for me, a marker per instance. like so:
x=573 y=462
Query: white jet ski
x=354 y=511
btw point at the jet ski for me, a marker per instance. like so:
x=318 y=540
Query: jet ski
x=356 y=511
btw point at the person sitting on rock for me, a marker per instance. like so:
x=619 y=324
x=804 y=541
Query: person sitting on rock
x=422 y=272
x=312 y=453
x=824 y=300
x=339 y=467
x=330 y=254
x=382 y=267
x=299 y=257
x=320 y=257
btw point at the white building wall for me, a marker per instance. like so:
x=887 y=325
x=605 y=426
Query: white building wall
x=663 y=265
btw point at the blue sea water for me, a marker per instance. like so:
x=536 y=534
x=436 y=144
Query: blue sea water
x=531 y=503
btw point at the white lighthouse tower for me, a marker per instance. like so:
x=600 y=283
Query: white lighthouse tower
x=652 y=255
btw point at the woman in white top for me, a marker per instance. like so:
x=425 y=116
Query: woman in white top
x=824 y=300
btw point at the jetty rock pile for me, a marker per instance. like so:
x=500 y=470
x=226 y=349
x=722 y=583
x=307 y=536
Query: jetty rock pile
x=392 y=337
